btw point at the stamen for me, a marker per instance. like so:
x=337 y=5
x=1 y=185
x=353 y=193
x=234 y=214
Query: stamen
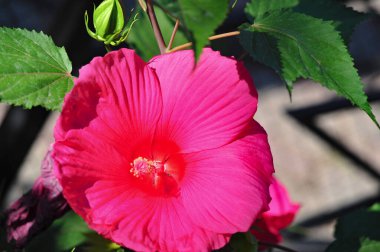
x=143 y=166
x=156 y=176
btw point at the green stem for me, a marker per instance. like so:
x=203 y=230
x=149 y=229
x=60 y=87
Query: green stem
x=108 y=48
x=155 y=26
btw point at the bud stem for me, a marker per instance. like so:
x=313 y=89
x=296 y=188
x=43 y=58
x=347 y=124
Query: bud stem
x=173 y=35
x=155 y=26
x=215 y=37
x=108 y=48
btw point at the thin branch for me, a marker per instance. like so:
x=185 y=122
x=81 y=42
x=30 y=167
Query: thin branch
x=155 y=26
x=173 y=35
x=215 y=37
x=266 y=244
x=224 y=35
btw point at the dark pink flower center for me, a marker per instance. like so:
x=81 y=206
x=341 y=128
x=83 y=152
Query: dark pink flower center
x=160 y=171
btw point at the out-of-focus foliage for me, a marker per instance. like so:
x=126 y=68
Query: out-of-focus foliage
x=358 y=231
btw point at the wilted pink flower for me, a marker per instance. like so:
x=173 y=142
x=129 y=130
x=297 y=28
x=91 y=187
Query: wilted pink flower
x=36 y=209
x=279 y=216
x=162 y=156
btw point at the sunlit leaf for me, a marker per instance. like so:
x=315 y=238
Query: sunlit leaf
x=33 y=70
x=312 y=48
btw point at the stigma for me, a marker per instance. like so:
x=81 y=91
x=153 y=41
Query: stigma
x=143 y=166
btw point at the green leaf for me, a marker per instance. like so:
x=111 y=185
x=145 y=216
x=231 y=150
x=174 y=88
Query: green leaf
x=368 y=245
x=262 y=47
x=170 y=6
x=141 y=37
x=357 y=231
x=312 y=48
x=96 y=243
x=375 y=207
x=33 y=71
x=244 y=242
x=362 y=222
x=344 y=245
x=345 y=18
x=201 y=18
x=70 y=233
x=65 y=234
x=259 y=7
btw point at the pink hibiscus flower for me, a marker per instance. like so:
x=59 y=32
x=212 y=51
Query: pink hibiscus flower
x=280 y=215
x=163 y=156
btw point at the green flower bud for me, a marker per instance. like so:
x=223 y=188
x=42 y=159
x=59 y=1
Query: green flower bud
x=109 y=24
x=108 y=18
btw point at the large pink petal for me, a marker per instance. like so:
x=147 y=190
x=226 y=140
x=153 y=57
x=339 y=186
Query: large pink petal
x=88 y=155
x=205 y=107
x=226 y=188
x=119 y=91
x=146 y=223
